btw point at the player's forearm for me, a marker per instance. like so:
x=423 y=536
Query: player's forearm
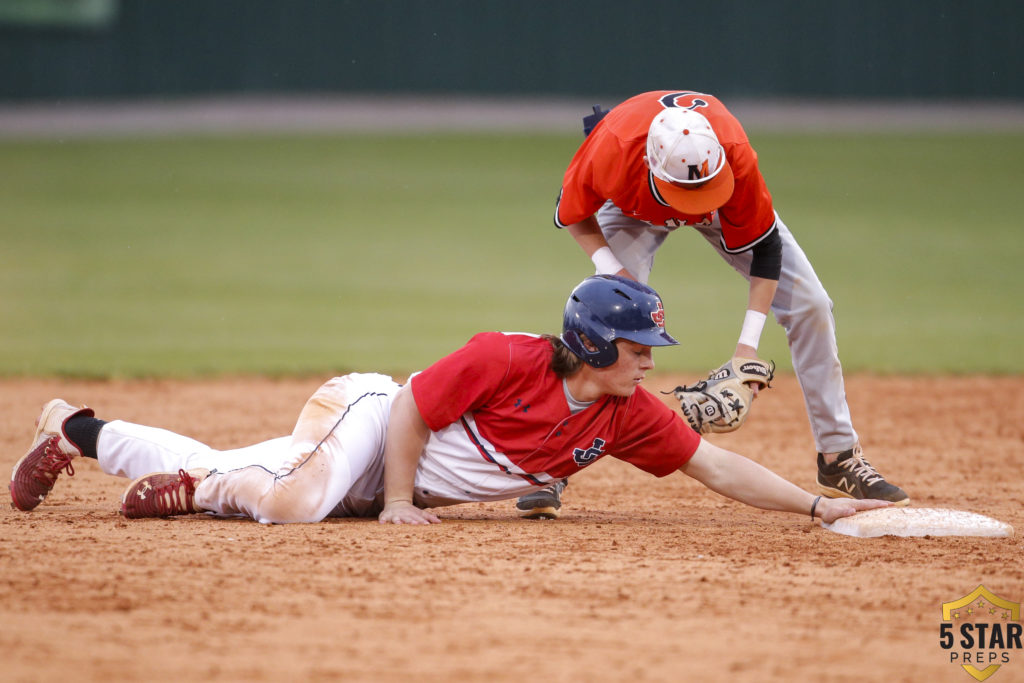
x=588 y=235
x=407 y=434
x=744 y=480
x=759 y=301
x=762 y=291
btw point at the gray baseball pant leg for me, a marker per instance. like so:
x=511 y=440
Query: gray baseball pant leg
x=801 y=306
x=633 y=241
x=804 y=309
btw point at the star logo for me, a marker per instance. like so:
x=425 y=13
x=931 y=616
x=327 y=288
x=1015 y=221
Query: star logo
x=975 y=638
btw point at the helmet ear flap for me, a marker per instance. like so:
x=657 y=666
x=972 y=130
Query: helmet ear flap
x=595 y=353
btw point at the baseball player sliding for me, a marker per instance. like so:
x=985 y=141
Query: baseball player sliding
x=666 y=159
x=504 y=415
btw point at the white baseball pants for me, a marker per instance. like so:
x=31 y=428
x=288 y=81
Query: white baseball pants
x=331 y=465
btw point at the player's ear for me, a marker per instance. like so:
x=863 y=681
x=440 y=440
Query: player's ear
x=587 y=344
x=648 y=165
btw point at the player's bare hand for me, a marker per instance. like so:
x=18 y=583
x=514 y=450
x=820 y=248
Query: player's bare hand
x=831 y=509
x=404 y=512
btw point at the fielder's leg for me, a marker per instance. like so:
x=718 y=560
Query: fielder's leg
x=634 y=242
x=804 y=309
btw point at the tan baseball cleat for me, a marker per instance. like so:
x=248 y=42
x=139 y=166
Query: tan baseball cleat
x=852 y=476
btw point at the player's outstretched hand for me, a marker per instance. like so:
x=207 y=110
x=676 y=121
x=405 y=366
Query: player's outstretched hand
x=831 y=509
x=404 y=512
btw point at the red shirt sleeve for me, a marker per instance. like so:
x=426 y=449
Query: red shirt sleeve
x=656 y=439
x=461 y=381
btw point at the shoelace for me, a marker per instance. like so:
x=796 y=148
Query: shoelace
x=52 y=462
x=171 y=504
x=555 y=488
x=862 y=469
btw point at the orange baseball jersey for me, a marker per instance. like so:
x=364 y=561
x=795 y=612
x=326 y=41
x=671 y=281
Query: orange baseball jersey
x=610 y=165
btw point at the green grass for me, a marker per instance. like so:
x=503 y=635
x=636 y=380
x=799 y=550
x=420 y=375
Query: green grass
x=917 y=240
x=320 y=254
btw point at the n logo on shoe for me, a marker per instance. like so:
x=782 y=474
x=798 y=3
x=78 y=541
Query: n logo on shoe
x=980 y=632
x=585 y=457
x=846 y=485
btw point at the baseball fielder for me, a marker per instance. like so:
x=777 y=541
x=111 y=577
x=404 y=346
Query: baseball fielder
x=667 y=159
x=504 y=415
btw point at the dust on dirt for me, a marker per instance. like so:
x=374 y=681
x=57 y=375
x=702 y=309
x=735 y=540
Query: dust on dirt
x=641 y=579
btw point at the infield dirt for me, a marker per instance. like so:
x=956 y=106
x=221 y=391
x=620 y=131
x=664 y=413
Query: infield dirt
x=641 y=579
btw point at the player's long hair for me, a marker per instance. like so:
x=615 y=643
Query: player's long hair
x=564 y=362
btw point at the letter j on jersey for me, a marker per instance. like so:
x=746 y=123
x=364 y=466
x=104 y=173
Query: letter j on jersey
x=585 y=457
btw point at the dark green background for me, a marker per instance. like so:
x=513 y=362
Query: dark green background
x=949 y=49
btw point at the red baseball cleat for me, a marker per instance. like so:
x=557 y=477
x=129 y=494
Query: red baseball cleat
x=35 y=474
x=162 y=494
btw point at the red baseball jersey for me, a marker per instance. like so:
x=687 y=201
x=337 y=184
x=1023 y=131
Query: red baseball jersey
x=513 y=407
x=610 y=165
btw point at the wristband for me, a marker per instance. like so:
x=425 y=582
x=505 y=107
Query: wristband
x=753 y=323
x=605 y=261
x=814 y=505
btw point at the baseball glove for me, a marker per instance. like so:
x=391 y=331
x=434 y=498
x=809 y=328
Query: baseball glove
x=721 y=402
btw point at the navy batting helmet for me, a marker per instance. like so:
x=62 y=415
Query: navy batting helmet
x=608 y=307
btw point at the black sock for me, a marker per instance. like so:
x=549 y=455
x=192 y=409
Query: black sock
x=83 y=432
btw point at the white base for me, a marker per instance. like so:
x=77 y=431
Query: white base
x=908 y=521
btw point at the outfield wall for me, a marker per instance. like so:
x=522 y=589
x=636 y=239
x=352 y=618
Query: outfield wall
x=61 y=50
